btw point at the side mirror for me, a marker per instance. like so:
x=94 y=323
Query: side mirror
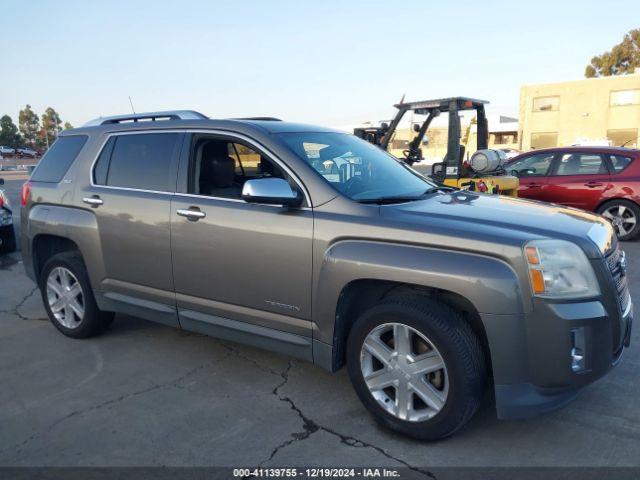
x=416 y=127
x=270 y=191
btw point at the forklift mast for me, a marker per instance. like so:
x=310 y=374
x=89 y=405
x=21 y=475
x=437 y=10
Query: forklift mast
x=452 y=163
x=453 y=170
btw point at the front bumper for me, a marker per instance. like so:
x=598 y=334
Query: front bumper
x=547 y=378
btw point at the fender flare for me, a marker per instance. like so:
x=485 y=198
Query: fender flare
x=490 y=284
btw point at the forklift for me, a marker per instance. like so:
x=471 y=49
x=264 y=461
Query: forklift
x=482 y=172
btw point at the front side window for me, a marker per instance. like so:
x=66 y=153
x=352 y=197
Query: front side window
x=532 y=166
x=220 y=167
x=140 y=161
x=581 y=164
x=356 y=168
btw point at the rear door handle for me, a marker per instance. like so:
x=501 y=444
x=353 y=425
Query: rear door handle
x=193 y=213
x=94 y=201
x=533 y=185
x=593 y=184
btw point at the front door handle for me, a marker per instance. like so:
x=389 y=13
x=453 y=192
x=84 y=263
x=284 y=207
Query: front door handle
x=593 y=184
x=533 y=185
x=94 y=201
x=193 y=213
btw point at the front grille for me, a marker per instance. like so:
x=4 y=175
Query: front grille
x=617 y=267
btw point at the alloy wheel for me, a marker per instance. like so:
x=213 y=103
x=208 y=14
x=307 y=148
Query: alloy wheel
x=65 y=297
x=623 y=219
x=404 y=372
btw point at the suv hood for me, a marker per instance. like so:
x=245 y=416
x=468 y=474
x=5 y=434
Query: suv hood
x=522 y=219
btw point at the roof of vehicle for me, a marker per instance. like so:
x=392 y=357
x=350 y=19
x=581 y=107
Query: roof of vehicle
x=577 y=148
x=191 y=119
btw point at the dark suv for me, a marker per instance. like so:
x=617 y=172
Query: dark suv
x=317 y=244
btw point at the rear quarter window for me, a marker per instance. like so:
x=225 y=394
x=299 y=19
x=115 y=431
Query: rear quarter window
x=55 y=163
x=620 y=162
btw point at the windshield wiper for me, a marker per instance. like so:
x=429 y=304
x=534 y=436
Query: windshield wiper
x=440 y=188
x=387 y=200
x=407 y=198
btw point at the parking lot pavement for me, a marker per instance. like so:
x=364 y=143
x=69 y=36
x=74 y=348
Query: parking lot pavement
x=146 y=394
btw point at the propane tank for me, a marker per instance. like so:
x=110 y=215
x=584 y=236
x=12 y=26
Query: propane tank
x=484 y=161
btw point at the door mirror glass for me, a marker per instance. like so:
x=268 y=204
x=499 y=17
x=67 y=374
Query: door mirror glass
x=270 y=191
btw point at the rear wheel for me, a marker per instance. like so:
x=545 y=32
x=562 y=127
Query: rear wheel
x=417 y=366
x=625 y=217
x=68 y=297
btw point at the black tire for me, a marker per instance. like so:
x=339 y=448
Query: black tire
x=94 y=321
x=8 y=237
x=633 y=209
x=458 y=346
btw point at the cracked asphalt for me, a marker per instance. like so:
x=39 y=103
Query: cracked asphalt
x=147 y=395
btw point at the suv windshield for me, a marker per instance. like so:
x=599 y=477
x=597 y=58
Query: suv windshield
x=356 y=168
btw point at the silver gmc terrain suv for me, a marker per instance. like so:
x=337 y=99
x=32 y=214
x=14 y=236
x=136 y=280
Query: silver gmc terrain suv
x=314 y=243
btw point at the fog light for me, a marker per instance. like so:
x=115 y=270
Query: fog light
x=578 y=349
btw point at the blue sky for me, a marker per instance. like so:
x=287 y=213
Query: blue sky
x=327 y=62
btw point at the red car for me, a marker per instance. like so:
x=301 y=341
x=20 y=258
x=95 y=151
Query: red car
x=605 y=180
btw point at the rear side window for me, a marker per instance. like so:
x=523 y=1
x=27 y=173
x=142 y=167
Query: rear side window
x=54 y=165
x=619 y=162
x=140 y=161
x=581 y=164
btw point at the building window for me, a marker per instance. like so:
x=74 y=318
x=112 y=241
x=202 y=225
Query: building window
x=505 y=138
x=623 y=138
x=544 y=140
x=546 y=104
x=624 y=97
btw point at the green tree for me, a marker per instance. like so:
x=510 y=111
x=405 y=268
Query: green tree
x=622 y=58
x=67 y=126
x=29 y=125
x=9 y=135
x=50 y=126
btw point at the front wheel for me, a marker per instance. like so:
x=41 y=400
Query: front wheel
x=625 y=217
x=417 y=366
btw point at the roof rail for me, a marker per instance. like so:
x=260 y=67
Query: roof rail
x=266 y=119
x=149 y=116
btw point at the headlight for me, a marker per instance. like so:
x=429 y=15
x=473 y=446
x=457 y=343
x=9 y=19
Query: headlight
x=560 y=269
